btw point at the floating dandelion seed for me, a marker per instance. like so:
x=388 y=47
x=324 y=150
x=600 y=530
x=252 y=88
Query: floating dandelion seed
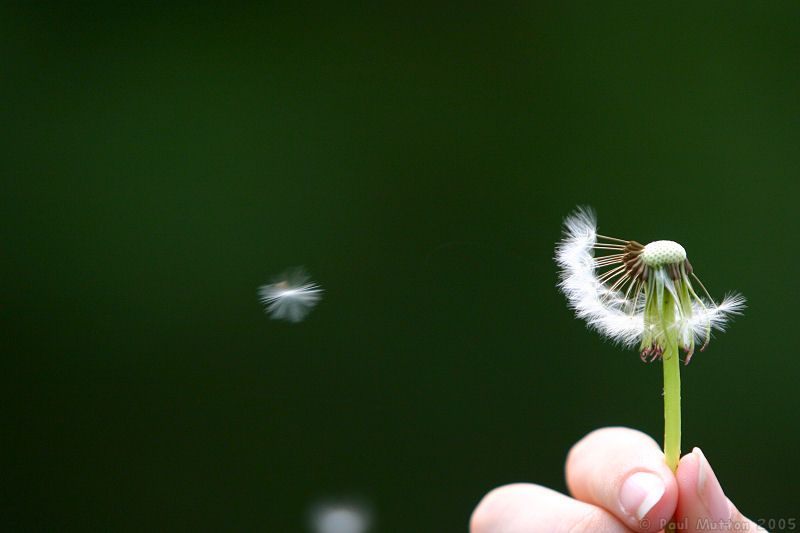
x=290 y=296
x=641 y=294
x=340 y=518
x=622 y=294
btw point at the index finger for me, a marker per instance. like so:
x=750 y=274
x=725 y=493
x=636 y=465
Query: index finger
x=623 y=471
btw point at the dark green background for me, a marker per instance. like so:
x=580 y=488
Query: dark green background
x=160 y=163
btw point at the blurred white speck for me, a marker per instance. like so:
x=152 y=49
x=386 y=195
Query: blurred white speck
x=340 y=518
x=290 y=296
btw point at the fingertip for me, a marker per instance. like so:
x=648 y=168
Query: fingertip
x=688 y=472
x=702 y=503
x=623 y=471
x=651 y=505
x=641 y=492
x=599 y=441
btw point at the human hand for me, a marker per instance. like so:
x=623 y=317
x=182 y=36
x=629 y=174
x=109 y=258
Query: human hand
x=619 y=483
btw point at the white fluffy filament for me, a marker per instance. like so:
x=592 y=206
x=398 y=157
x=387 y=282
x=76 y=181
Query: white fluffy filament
x=609 y=312
x=291 y=296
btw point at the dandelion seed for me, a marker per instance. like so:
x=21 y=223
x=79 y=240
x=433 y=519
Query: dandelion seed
x=290 y=296
x=340 y=517
x=627 y=293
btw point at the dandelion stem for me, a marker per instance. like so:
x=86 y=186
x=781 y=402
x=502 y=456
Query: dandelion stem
x=672 y=406
x=672 y=390
x=672 y=386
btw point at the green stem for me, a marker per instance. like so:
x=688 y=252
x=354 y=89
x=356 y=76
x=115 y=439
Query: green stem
x=672 y=406
x=672 y=389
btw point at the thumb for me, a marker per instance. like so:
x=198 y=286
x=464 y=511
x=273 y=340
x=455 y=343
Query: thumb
x=702 y=505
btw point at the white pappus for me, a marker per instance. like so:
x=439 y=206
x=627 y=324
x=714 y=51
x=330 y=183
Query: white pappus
x=290 y=296
x=341 y=517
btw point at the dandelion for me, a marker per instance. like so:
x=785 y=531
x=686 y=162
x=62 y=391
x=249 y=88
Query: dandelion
x=290 y=296
x=641 y=295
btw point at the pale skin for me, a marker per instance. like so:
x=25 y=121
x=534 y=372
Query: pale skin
x=597 y=469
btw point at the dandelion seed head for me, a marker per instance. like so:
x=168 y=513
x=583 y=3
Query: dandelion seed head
x=290 y=296
x=623 y=289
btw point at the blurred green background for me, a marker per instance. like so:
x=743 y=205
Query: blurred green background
x=159 y=164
